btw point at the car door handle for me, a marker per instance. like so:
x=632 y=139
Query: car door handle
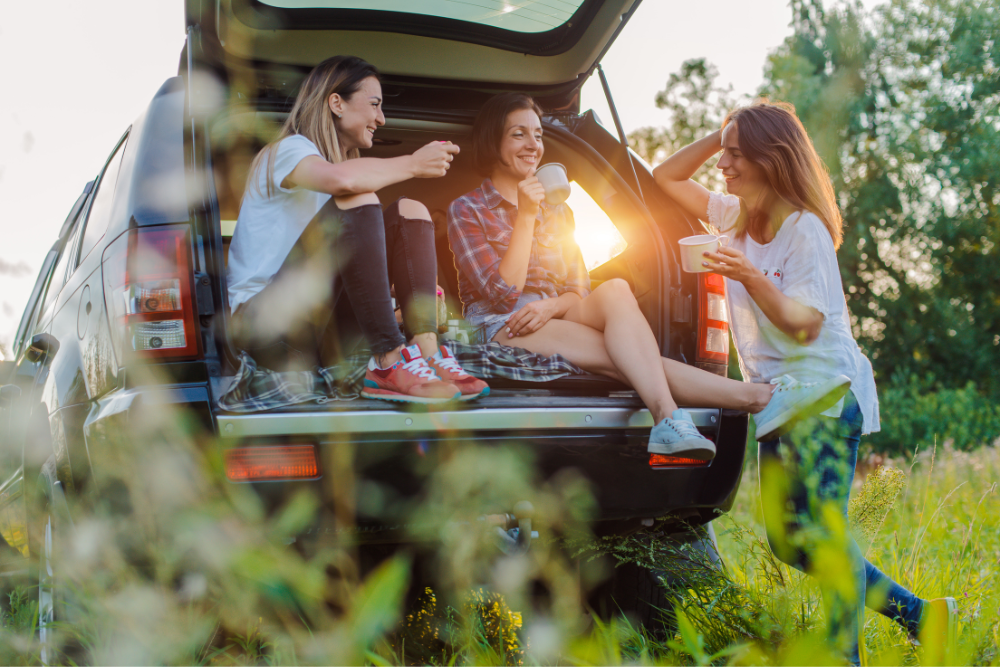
x=42 y=347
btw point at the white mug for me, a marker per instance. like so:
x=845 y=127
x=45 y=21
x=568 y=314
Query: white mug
x=692 y=248
x=555 y=181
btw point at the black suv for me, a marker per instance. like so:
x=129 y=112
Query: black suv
x=92 y=353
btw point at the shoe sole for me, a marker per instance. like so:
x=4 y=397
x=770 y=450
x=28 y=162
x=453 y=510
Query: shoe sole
x=470 y=397
x=681 y=449
x=406 y=398
x=827 y=394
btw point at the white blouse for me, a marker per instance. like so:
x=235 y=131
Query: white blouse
x=802 y=263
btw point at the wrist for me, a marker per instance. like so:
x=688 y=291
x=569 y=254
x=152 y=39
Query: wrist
x=411 y=165
x=526 y=218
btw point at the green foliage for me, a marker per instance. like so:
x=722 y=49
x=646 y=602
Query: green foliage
x=917 y=413
x=902 y=105
x=697 y=106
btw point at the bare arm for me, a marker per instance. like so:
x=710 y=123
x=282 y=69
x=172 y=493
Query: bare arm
x=514 y=265
x=369 y=174
x=801 y=322
x=674 y=174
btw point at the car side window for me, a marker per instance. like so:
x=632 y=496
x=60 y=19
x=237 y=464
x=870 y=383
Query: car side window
x=59 y=273
x=99 y=214
x=33 y=302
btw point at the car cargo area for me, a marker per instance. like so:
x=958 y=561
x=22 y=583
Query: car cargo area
x=239 y=134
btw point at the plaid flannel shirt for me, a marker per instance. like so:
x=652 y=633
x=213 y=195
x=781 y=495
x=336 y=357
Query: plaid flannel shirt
x=480 y=224
x=258 y=389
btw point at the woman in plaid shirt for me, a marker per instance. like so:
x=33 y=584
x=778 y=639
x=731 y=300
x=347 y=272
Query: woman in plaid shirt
x=523 y=282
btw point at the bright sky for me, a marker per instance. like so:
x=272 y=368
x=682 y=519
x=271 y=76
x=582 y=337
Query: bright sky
x=79 y=75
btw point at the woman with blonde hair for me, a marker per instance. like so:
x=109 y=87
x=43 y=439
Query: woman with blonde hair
x=314 y=254
x=789 y=315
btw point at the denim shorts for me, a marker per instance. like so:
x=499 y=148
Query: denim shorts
x=486 y=323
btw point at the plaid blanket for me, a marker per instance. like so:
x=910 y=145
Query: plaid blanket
x=257 y=389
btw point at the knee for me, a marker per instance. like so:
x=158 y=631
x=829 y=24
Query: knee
x=413 y=210
x=345 y=202
x=616 y=291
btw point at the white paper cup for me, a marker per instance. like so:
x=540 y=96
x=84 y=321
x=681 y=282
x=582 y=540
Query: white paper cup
x=692 y=248
x=554 y=179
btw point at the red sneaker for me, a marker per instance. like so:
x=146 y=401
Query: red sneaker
x=445 y=365
x=408 y=381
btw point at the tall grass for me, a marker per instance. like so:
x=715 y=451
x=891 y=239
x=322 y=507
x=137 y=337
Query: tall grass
x=166 y=562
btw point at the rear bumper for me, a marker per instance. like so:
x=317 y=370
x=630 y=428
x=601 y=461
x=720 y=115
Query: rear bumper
x=606 y=444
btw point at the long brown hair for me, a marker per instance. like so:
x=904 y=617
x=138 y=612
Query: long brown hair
x=311 y=116
x=773 y=138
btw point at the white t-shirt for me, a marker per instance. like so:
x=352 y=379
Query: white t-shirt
x=802 y=263
x=268 y=227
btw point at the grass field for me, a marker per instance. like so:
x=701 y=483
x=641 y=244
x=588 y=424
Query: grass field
x=206 y=579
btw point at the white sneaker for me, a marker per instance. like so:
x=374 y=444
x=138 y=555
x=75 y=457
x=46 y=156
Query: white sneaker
x=680 y=437
x=792 y=400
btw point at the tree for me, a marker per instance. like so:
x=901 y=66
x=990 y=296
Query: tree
x=903 y=107
x=697 y=107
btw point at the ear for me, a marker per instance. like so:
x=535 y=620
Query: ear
x=336 y=104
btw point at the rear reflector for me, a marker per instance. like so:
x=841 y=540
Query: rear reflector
x=162 y=335
x=262 y=464
x=664 y=461
x=713 y=320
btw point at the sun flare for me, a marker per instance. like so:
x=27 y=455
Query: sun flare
x=597 y=236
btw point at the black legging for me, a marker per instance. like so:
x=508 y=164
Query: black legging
x=339 y=271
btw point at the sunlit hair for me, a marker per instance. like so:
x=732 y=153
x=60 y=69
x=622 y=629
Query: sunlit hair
x=311 y=115
x=772 y=137
x=490 y=123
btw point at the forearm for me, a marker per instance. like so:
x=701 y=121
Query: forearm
x=369 y=174
x=683 y=164
x=351 y=177
x=565 y=302
x=514 y=265
x=799 y=322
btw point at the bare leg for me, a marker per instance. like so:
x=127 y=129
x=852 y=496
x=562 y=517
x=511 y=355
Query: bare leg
x=612 y=308
x=693 y=386
x=578 y=343
x=586 y=347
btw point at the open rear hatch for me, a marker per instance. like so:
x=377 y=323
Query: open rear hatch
x=545 y=47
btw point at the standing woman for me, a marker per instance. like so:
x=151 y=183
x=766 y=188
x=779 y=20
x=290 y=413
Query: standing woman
x=314 y=255
x=522 y=280
x=789 y=315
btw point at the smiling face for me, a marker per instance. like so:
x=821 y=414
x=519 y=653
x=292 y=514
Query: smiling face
x=359 y=116
x=743 y=178
x=521 y=147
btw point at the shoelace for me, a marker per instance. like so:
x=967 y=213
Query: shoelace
x=684 y=428
x=419 y=367
x=787 y=382
x=451 y=364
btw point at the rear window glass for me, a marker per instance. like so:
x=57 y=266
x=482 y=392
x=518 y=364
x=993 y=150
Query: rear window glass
x=525 y=16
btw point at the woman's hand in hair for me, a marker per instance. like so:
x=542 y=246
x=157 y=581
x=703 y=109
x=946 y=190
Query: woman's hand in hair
x=530 y=194
x=434 y=159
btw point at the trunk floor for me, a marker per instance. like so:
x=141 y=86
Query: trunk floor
x=498 y=398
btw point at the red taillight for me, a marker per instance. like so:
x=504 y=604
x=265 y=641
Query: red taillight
x=713 y=319
x=263 y=464
x=147 y=281
x=664 y=461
